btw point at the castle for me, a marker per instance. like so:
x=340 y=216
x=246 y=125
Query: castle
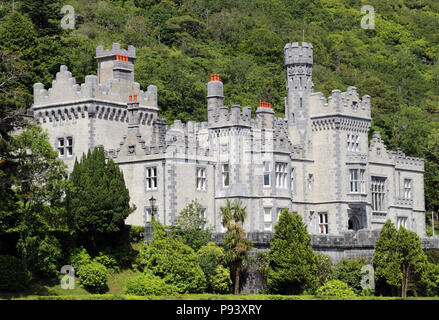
x=316 y=161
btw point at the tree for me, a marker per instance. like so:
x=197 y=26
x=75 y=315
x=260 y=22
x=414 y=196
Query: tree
x=98 y=203
x=191 y=224
x=236 y=246
x=398 y=256
x=39 y=186
x=292 y=264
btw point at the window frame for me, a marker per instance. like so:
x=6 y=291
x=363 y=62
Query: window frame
x=149 y=178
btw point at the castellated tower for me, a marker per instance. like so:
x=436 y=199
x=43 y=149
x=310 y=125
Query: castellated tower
x=117 y=63
x=298 y=61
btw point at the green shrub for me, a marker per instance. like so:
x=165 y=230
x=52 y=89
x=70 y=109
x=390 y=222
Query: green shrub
x=349 y=271
x=93 y=277
x=42 y=255
x=136 y=233
x=175 y=262
x=324 y=268
x=14 y=275
x=221 y=282
x=108 y=260
x=148 y=284
x=335 y=288
x=210 y=257
x=79 y=258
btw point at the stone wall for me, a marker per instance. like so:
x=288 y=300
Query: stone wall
x=351 y=245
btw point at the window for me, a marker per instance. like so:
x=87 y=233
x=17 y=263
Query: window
x=323 y=222
x=407 y=189
x=292 y=180
x=225 y=169
x=151 y=178
x=266 y=173
x=378 y=194
x=61 y=147
x=310 y=181
x=201 y=178
x=203 y=215
x=401 y=222
x=357 y=184
x=281 y=175
x=353 y=142
x=65 y=147
x=69 y=146
x=267 y=219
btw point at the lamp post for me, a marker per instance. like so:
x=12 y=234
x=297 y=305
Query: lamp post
x=152 y=201
x=148 y=227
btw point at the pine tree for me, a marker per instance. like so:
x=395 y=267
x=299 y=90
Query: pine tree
x=99 y=202
x=292 y=263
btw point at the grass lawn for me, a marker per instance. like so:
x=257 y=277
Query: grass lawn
x=51 y=290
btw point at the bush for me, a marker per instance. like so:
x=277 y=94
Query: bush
x=335 y=288
x=79 y=258
x=349 y=271
x=49 y=256
x=149 y=285
x=175 y=262
x=324 y=268
x=93 y=277
x=210 y=257
x=221 y=282
x=14 y=275
x=136 y=233
x=42 y=255
x=108 y=260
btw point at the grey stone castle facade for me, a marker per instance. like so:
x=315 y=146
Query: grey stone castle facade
x=316 y=161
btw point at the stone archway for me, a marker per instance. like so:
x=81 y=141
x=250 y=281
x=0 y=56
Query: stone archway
x=354 y=223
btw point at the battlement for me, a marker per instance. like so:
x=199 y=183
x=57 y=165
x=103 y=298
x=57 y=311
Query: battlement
x=65 y=91
x=346 y=103
x=406 y=162
x=115 y=50
x=298 y=54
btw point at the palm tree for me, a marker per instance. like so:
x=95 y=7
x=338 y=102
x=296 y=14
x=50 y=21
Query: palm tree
x=236 y=246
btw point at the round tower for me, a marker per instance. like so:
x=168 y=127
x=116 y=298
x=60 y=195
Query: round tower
x=298 y=61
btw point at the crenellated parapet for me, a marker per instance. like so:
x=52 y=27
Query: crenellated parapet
x=65 y=90
x=346 y=109
x=406 y=162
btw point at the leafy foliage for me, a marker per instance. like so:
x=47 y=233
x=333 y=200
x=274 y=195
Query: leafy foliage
x=93 y=277
x=173 y=261
x=398 y=256
x=79 y=258
x=14 y=275
x=210 y=257
x=335 y=288
x=191 y=224
x=220 y=281
x=324 y=268
x=349 y=271
x=148 y=284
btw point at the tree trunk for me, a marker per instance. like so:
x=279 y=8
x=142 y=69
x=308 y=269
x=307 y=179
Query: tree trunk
x=238 y=270
x=404 y=282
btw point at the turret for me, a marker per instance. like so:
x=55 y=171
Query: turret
x=215 y=97
x=298 y=61
x=116 y=63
